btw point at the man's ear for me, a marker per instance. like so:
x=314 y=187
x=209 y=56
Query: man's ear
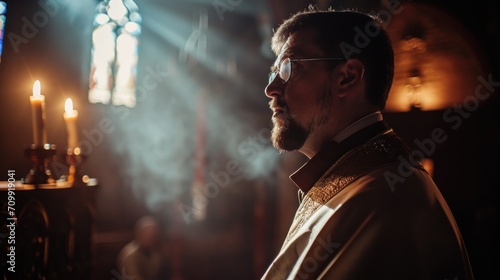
x=351 y=73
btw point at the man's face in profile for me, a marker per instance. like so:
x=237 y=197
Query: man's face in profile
x=303 y=103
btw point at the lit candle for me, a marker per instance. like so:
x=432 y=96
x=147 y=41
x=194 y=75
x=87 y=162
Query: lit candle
x=70 y=117
x=38 y=115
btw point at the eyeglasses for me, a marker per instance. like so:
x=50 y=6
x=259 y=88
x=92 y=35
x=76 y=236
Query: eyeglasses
x=285 y=69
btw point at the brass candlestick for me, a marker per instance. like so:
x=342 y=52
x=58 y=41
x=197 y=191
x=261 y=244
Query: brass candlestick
x=41 y=156
x=74 y=158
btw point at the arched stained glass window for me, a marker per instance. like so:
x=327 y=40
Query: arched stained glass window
x=115 y=42
x=3 y=11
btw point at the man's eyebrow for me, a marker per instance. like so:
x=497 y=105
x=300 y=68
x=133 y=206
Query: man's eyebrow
x=287 y=53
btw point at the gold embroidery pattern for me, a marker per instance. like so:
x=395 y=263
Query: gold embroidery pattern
x=379 y=151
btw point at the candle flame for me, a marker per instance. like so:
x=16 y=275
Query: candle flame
x=36 y=88
x=68 y=106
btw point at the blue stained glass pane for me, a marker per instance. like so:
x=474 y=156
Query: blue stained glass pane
x=3 y=7
x=3 y=10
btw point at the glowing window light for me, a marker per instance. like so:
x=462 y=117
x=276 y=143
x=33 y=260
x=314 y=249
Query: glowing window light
x=133 y=28
x=115 y=43
x=123 y=93
x=101 y=19
x=116 y=9
x=103 y=57
x=3 y=11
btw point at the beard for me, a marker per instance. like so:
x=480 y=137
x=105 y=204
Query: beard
x=289 y=135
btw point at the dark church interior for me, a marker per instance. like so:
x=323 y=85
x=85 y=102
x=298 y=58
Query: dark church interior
x=178 y=130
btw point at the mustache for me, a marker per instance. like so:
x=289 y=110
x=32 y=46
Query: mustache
x=276 y=104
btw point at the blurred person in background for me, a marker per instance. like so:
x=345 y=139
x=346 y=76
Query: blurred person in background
x=142 y=257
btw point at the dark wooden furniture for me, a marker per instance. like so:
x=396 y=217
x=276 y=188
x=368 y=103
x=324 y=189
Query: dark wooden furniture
x=53 y=234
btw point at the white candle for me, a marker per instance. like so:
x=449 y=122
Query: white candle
x=38 y=115
x=70 y=117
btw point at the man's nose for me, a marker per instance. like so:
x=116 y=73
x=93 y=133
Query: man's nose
x=274 y=88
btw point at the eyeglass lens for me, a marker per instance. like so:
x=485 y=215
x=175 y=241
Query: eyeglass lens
x=283 y=71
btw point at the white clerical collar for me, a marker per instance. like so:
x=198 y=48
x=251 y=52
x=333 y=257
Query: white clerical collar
x=358 y=125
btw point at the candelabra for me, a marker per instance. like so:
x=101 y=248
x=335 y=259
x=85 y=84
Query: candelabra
x=41 y=156
x=74 y=158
